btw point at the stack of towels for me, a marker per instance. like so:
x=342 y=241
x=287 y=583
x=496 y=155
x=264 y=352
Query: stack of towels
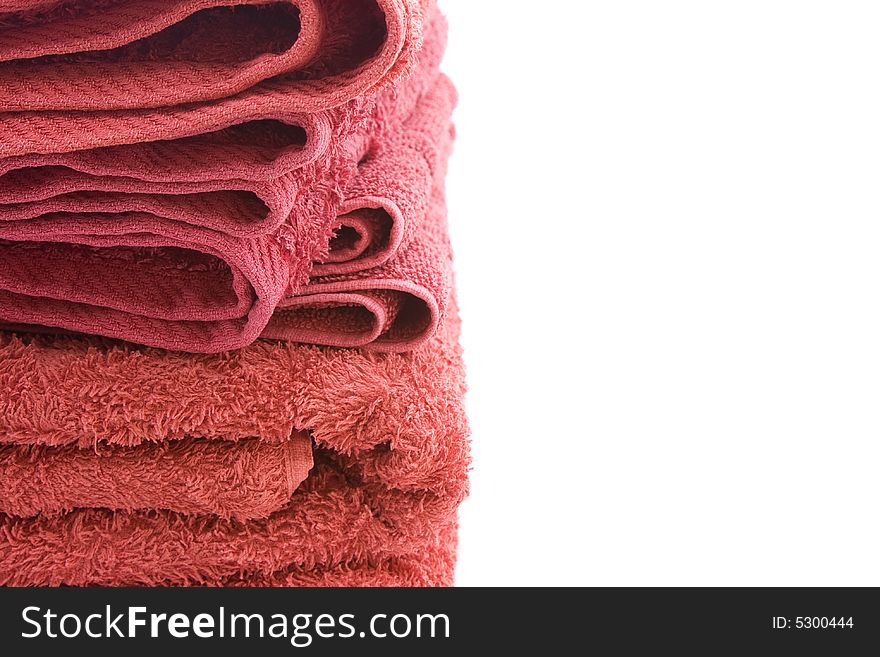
x=228 y=337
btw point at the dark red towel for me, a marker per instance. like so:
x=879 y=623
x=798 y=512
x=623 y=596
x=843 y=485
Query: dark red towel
x=105 y=242
x=106 y=72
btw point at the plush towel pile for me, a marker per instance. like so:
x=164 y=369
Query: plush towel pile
x=229 y=347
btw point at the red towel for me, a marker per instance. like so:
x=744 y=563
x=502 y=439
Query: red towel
x=297 y=196
x=242 y=480
x=379 y=507
x=126 y=71
x=138 y=242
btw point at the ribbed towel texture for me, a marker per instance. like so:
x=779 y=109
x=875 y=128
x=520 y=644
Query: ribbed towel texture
x=228 y=336
x=104 y=72
x=192 y=244
x=242 y=480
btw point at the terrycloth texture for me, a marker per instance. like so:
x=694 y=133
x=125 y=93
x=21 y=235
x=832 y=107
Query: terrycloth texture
x=379 y=506
x=248 y=479
x=106 y=72
x=201 y=265
x=434 y=566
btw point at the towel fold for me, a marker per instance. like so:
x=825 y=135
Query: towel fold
x=176 y=265
x=434 y=566
x=85 y=74
x=394 y=307
x=240 y=480
x=390 y=461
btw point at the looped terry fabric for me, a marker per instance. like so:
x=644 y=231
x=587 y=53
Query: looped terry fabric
x=379 y=505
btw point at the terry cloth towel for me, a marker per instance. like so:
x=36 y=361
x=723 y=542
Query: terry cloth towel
x=241 y=480
x=80 y=74
x=378 y=507
x=398 y=303
x=185 y=266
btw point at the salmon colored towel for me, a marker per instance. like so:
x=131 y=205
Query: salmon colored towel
x=378 y=507
x=198 y=266
x=241 y=480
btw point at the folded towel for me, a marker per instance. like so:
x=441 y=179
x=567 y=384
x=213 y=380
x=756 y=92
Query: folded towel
x=433 y=566
x=243 y=480
x=231 y=178
x=125 y=71
x=398 y=305
x=183 y=265
x=379 y=506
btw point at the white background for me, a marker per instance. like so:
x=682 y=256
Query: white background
x=666 y=218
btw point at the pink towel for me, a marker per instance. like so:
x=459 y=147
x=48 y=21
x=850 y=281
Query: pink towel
x=379 y=506
x=195 y=266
